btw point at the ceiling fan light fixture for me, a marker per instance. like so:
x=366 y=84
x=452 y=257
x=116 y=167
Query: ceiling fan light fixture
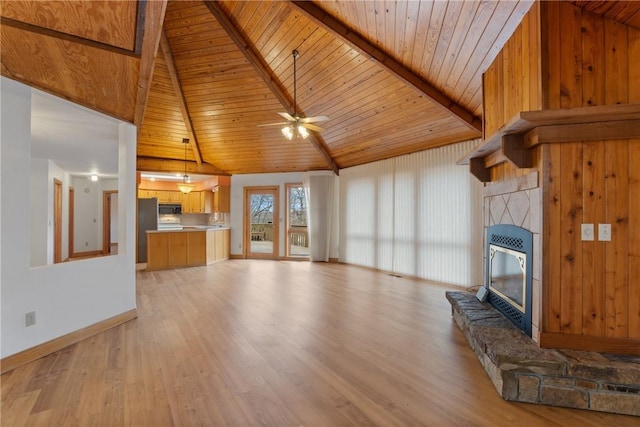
x=287 y=131
x=303 y=132
x=185 y=186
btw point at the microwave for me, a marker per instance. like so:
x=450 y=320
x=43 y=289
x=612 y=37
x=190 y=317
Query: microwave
x=169 y=209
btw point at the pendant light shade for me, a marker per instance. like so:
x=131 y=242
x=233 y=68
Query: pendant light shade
x=185 y=186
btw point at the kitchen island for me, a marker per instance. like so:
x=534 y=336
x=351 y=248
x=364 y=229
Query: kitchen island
x=189 y=247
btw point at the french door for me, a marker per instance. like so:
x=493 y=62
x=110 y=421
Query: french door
x=261 y=231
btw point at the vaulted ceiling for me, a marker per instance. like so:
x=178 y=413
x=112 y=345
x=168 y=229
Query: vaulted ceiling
x=394 y=77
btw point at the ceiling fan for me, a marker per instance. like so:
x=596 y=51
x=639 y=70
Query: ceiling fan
x=297 y=126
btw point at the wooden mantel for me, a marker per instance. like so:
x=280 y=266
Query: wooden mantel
x=528 y=129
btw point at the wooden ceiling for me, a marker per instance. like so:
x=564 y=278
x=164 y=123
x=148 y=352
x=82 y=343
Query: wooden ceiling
x=394 y=77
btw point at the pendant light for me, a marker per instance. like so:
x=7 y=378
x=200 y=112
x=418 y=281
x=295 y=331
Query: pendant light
x=185 y=186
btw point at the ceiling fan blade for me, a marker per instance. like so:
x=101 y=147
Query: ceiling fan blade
x=312 y=127
x=273 y=124
x=314 y=119
x=288 y=117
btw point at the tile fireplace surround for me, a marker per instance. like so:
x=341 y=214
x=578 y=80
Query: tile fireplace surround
x=522 y=371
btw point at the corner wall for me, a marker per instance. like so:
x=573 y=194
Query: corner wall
x=67 y=296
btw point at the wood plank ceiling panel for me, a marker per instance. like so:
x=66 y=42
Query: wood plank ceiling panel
x=371 y=112
x=448 y=44
x=109 y=22
x=227 y=99
x=163 y=126
x=627 y=12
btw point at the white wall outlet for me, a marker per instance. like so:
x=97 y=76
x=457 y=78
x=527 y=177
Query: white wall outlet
x=588 y=232
x=604 y=232
x=30 y=318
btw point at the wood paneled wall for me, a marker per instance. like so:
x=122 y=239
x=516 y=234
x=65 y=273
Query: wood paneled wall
x=513 y=83
x=592 y=288
x=589 y=59
x=562 y=57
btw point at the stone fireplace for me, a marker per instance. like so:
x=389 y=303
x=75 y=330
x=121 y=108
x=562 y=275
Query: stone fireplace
x=510 y=353
x=558 y=158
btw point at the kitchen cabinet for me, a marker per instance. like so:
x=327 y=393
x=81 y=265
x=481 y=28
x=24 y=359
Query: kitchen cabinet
x=163 y=196
x=187 y=248
x=147 y=194
x=193 y=202
x=175 y=196
x=222 y=199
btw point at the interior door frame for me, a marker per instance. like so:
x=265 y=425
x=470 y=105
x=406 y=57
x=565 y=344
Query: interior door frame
x=246 y=232
x=57 y=221
x=72 y=197
x=106 y=220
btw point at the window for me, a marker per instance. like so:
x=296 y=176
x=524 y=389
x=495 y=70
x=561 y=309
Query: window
x=297 y=232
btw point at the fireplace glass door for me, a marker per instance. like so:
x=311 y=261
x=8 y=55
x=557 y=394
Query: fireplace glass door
x=507 y=275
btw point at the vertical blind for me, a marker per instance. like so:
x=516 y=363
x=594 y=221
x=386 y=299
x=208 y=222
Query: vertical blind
x=418 y=215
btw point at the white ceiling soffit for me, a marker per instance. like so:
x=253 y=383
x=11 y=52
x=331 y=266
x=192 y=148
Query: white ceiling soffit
x=77 y=139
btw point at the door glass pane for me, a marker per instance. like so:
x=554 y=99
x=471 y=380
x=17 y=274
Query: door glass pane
x=262 y=228
x=298 y=237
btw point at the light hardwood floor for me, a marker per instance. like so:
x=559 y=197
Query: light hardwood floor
x=250 y=342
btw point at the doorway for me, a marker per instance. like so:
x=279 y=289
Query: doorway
x=261 y=231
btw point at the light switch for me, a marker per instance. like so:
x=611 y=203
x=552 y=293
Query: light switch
x=604 y=232
x=588 y=232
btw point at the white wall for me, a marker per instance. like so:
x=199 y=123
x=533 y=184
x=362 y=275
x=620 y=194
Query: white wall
x=39 y=212
x=418 y=215
x=238 y=182
x=66 y=296
x=87 y=221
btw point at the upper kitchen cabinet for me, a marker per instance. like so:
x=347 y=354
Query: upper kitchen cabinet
x=222 y=199
x=193 y=202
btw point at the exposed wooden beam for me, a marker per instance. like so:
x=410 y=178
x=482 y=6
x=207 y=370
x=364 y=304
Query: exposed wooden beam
x=141 y=10
x=66 y=37
x=177 y=87
x=152 y=22
x=152 y=164
x=359 y=43
x=268 y=76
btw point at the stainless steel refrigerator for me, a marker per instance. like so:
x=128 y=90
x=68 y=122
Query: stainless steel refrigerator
x=147 y=220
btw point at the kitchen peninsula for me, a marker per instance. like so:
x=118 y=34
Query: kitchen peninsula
x=189 y=247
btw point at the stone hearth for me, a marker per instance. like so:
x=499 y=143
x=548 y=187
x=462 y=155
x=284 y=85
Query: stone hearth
x=522 y=371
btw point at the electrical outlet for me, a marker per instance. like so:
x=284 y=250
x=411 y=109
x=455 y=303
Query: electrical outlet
x=30 y=318
x=604 y=232
x=587 y=232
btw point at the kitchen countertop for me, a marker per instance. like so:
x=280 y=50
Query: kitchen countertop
x=191 y=228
